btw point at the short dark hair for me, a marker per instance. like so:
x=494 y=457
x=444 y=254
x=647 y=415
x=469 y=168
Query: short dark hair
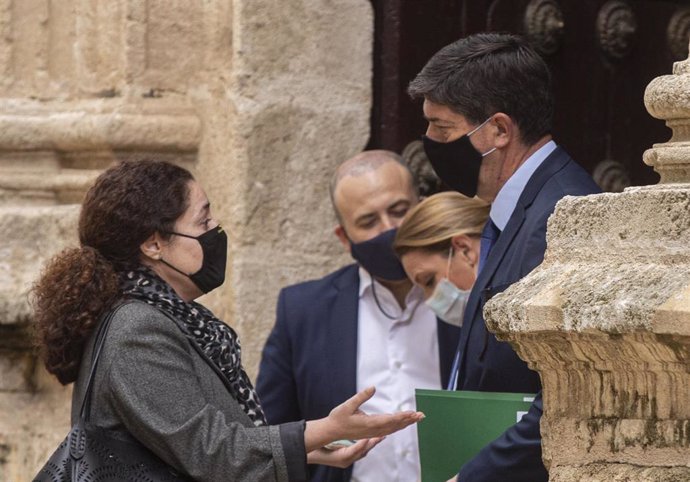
x=486 y=73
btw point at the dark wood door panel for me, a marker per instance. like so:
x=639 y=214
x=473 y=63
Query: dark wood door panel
x=600 y=116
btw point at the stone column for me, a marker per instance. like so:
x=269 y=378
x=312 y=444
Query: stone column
x=605 y=319
x=259 y=98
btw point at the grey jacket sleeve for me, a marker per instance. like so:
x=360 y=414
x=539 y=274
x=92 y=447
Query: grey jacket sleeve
x=155 y=389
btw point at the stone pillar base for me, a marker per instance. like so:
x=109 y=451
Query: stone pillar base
x=619 y=473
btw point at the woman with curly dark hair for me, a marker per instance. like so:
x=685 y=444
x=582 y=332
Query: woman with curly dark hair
x=169 y=375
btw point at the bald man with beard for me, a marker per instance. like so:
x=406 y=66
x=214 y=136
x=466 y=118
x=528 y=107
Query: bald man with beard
x=363 y=325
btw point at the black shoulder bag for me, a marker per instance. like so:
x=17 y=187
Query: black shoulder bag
x=93 y=454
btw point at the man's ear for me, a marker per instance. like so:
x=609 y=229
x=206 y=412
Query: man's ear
x=151 y=247
x=506 y=129
x=340 y=233
x=465 y=248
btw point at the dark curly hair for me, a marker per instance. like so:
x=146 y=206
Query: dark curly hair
x=127 y=204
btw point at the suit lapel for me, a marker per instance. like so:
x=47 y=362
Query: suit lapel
x=552 y=164
x=447 y=336
x=341 y=345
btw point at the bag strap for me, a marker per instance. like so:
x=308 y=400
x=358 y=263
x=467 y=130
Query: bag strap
x=103 y=326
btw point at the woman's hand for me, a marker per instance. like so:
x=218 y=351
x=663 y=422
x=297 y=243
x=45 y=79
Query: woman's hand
x=347 y=421
x=343 y=457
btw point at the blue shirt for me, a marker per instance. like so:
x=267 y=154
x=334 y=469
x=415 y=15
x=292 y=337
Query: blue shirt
x=503 y=206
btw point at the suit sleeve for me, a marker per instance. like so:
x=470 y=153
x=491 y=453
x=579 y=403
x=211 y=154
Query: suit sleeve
x=514 y=456
x=535 y=247
x=276 y=382
x=154 y=389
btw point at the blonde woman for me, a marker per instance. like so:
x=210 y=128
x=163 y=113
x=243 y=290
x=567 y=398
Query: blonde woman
x=438 y=244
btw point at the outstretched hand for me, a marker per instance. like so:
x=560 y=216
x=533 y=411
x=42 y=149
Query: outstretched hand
x=347 y=421
x=355 y=424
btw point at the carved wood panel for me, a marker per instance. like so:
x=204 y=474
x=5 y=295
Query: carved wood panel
x=602 y=54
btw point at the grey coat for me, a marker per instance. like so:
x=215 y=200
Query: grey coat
x=153 y=384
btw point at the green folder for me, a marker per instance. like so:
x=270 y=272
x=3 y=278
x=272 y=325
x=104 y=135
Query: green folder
x=459 y=424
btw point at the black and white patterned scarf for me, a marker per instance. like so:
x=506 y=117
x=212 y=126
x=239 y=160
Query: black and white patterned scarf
x=216 y=339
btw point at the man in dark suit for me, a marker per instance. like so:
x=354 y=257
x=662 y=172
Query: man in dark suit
x=362 y=325
x=488 y=102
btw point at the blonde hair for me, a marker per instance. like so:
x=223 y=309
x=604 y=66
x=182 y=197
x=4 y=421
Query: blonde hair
x=432 y=223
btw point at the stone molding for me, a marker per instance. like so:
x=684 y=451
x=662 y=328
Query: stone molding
x=155 y=125
x=51 y=152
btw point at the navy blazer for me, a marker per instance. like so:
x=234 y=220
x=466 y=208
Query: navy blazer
x=487 y=364
x=309 y=363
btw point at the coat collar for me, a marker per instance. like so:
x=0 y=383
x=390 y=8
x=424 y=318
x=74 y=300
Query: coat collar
x=551 y=165
x=340 y=349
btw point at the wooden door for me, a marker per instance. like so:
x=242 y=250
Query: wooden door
x=602 y=54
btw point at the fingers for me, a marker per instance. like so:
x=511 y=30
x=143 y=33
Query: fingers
x=379 y=425
x=371 y=443
x=360 y=449
x=356 y=401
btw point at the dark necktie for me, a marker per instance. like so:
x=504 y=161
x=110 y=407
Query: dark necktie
x=489 y=236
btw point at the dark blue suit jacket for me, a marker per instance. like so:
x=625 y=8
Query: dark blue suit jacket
x=309 y=363
x=487 y=364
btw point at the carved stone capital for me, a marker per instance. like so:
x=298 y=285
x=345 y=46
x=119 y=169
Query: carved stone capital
x=668 y=98
x=605 y=320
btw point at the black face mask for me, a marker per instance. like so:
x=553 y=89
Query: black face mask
x=214 y=247
x=457 y=162
x=376 y=255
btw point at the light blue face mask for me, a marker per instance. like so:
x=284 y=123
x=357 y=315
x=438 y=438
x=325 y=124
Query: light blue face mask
x=448 y=301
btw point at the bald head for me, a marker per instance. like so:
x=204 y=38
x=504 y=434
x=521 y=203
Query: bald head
x=364 y=163
x=371 y=193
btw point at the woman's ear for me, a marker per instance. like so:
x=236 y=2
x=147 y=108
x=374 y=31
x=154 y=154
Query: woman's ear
x=465 y=247
x=151 y=247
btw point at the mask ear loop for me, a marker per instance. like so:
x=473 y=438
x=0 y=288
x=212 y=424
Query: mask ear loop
x=450 y=257
x=479 y=126
x=469 y=134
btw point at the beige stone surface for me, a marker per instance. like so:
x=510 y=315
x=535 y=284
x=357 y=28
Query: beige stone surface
x=259 y=99
x=31 y=425
x=31 y=235
x=619 y=473
x=298 y=103
x=34 y=408
x=668 y=98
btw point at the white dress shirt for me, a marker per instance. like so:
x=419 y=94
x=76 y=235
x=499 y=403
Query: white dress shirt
x=396 y=356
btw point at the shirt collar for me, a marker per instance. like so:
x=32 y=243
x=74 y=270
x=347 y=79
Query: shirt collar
x=503 y=206
x=365 y=281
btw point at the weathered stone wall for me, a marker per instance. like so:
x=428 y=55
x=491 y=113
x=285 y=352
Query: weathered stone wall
x=605 y=320
x=259 y=98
